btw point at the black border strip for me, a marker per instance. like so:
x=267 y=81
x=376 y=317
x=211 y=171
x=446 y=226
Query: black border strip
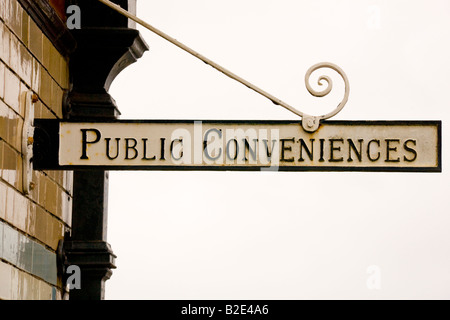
x=46 y=147
x=255 y=121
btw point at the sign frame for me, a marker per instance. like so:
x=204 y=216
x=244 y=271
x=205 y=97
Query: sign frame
x=46 y=147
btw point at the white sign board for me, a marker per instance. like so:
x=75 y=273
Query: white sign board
x=252 y=145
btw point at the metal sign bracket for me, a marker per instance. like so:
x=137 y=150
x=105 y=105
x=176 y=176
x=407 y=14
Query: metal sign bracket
x=309 y=123
x=29 y=100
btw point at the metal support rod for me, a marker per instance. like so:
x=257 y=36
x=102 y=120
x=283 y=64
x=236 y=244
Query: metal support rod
x=309 y=123
x=216 y=66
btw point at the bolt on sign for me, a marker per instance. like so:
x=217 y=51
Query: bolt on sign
x=238 y=145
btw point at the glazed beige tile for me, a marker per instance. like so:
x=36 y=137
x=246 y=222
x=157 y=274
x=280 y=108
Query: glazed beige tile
x=57 y=97
x=35 y=76
x=19 y=179
x=16 y=139
x=35 y=40
x=35 y=288
x=15 y=11
x=5 y=281
x=31 y=219
x=45 y=291
x=2 y=80
x=28 y=295
x=25 y=289
x=58 y=176
x=14 y=54
x=55 y=233
x=22 y=96
x=14 y=283
x=42 y=190
x=59 y=205
x=55 y=63
x=25 y=27
x=59 y=102
x=50 y=231
x=3 y=190
x=11 y=136
x=26 y=65
x=20 y=212
x=12 y=124
x=51 y=196
x=62 y=179
x=12 y=90
x=46 y=113
x=45 y=90
x=34 y=190
x=9 y=164
x=5 y=42
x=4 y=121
x=1 y=158
x=2 y=9
x=9 y=205
x=38 y=110
x=51 y=174
x=5 y=10
x=46 y=52
x=54 y=104
x=41 y=224
x=67 y=178
x=58 y=233
x=66 y=208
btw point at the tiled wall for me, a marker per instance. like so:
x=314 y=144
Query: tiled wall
x=30 y=225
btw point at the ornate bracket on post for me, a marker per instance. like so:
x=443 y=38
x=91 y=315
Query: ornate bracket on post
x=100 y=56
x=105 y=46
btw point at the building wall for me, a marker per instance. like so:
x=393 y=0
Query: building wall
x=31 y=226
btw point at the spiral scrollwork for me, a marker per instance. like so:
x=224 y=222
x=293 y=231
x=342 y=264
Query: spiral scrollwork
x=311 y=123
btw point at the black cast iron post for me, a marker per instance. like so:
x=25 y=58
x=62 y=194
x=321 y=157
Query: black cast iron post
x=105 y=46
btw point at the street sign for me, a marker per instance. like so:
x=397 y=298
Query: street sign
x=238 y=145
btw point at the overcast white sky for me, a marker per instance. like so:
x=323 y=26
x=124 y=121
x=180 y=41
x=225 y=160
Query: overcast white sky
x=285 y=235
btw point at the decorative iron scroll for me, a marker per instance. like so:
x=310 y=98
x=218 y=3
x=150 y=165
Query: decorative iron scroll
x=311 y=123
